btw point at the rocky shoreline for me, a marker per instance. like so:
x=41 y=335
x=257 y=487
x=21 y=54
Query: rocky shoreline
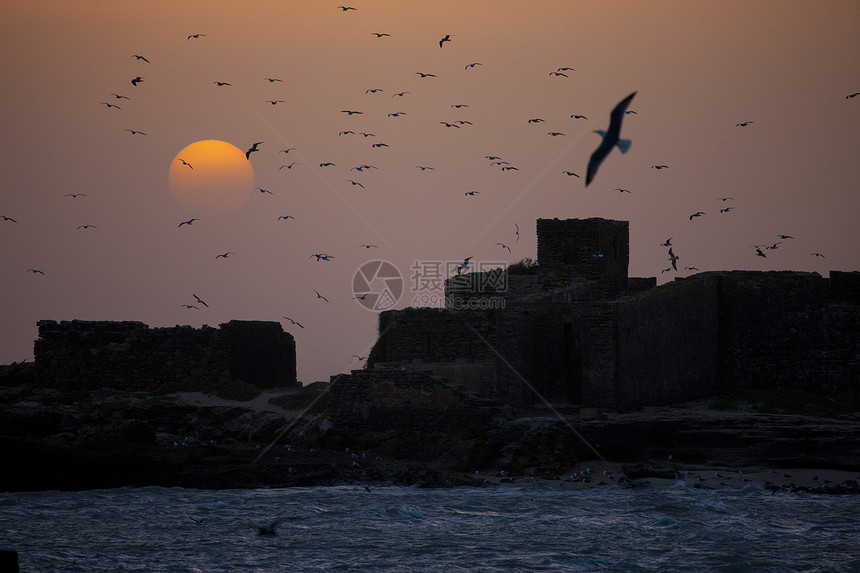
x=107 y=439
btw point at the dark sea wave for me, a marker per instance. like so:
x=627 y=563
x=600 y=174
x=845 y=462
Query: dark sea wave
x=391 y=529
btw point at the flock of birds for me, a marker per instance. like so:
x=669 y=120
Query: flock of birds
x=611 y=139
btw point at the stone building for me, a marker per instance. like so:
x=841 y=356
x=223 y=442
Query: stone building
x=576 y=329
x=131 y=356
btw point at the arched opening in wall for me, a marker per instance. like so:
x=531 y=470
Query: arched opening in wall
x=572 y=362
x=556 y=361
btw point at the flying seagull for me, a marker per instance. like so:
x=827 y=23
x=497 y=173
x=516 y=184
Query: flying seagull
x=139 y=57
x=136 y=81
x=611 y=138
x=200 y=300
x=195 y=36
x=219 y=84
x=252 y=150
x=285 y=217
x=464 y=265
x=673 y=258
x=744 y=123
x=577 y=116
x=359 y=357
x=558 y=74
x=659 y=167
x=447 y=38
x=536 y=120
x=75 y=195
x=423 y=75
x=697 y=214
x=471 y=192
x=667 y=242
x=110 y=105
x=188 y=222
x=294 y=322
x=261 y=190
x=87 y=227
x=135 y=132
x=190 y=306
x=320 y=296
x=369 y=246
x=117 y=96
x=518 y=231
x=356 y=183
x=34 y=271
x=852 y=96
x=5 y=218
x=473 y=64
x=184 y=162
x=345 y=8
x=504 y=246
x=224 y=255
x=273 y=80
x=571 y=174
x=290 y=166
x=274 y=101
x=380 y=35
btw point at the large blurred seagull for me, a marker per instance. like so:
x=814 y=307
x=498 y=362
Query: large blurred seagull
x=610 y=139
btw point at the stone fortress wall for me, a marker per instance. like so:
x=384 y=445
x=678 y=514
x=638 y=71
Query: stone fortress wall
x=131 y=356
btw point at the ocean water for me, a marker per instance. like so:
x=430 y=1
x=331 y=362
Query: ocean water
x=447 y=530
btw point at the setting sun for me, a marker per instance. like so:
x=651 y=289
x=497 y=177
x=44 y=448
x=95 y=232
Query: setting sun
x=211 y=177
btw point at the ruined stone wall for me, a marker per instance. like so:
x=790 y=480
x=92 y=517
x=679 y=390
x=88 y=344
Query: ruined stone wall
x=131 y=356
x=436 y=335
x=668 y=344
x=782 y=329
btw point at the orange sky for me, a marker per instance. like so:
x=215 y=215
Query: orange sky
x=699 y=69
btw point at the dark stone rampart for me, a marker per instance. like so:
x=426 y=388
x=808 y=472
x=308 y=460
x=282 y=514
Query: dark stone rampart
x=131 y=356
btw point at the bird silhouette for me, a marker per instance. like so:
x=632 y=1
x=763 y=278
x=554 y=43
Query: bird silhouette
x=373 y=91
x=117 y=96
x=196 y=36
x=345 y=8
x=293 y=322
x=261 y=190
x=378 y=145
x=611 y=139
x=252 y=150
x=110 y=105
x=504 y=246
x=577 y=116
x=219 y=84
x=274 y=101
x=273 y=80
x=658 y=167
x=447 y=38
x=562 y=74
x=224 y=255
x=139 y=57
x=397 y=114
x=667 y=242
x=425 y=75
x=517 y=231
x=697 y=214
x=356 y=183
x=184 y=162
x=852 y=96
x=5 y=218
x=570 y=173
x=75 y=195
x=400 y=94
x=320 y=296
x=188 y=222
x=380 y=35
x=536 y=120
x=190 y=306
x=464 y=265
x=290 y=166
x=369 y=246
x=285 y=217
x=200 y=300
x=327 y=164
x=471 y=193
x=85 y=227
x=673 y=258
x=351 y=112
x=134 y=132
x=472 y=65
x=36 y=271
x=744 y=123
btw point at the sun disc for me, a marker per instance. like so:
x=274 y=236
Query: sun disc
x=211 y=177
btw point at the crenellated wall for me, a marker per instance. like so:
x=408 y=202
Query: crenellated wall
x=131 y=356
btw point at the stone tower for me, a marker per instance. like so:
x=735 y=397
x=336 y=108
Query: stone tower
x=577 y=249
